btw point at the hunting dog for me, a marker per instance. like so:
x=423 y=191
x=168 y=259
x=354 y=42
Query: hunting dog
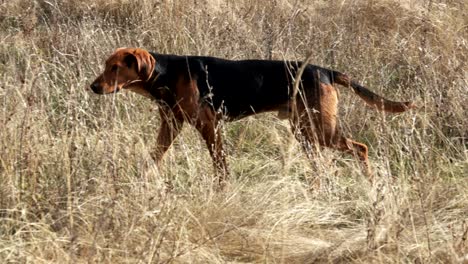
x=203 y=91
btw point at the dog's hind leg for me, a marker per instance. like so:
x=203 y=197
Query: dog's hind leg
x=316 y=122
x=328 y=133
x=359 y=150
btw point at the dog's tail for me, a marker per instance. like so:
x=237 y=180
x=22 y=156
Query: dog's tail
x=371 y=98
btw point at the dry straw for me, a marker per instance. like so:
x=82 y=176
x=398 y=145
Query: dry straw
x=77 y=183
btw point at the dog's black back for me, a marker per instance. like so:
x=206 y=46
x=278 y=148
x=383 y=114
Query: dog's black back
x=238 y=88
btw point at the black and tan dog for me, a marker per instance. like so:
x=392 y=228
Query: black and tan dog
x=204 y=90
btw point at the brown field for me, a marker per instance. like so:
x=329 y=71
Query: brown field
x=77 y=183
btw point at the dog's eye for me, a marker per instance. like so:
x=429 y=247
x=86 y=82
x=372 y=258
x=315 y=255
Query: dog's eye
x=114 y=68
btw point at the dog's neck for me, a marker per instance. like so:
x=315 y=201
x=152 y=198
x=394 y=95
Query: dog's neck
x=140 y=89
x=146 y=88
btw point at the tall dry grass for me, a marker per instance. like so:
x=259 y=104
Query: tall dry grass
x=78 y=185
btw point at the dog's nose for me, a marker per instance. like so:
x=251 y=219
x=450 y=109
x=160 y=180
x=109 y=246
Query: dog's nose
x=95 y=87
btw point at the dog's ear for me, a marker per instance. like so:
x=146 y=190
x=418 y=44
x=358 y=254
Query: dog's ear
x=129 y=59
x=145 y=63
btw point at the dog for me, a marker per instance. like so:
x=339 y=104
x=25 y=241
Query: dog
x=203 y=91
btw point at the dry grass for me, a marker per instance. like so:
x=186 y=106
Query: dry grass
x=78 y=185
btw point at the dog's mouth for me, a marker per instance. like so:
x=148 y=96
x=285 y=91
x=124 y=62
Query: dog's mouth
x=98 y=89
x=129 y=84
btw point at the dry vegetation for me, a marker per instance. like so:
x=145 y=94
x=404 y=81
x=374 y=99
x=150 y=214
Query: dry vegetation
x=77 y=183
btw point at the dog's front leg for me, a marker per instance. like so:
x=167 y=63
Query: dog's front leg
x=170 y=128
x=207 y=125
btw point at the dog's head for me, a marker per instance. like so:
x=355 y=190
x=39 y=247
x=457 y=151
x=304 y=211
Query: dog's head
x=125 y=68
